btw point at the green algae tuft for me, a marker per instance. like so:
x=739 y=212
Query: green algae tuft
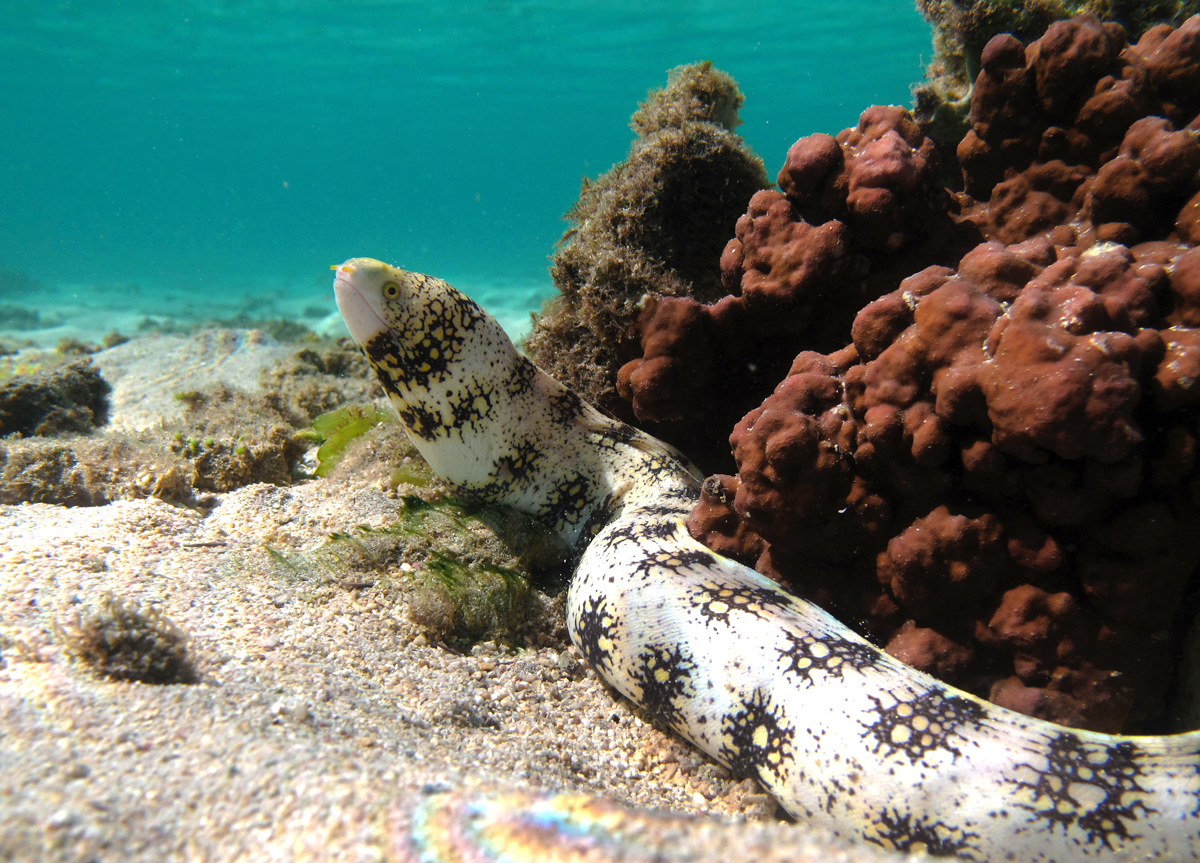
x=338 y=428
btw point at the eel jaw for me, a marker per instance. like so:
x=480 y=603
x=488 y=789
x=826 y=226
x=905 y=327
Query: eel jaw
x=362 y=316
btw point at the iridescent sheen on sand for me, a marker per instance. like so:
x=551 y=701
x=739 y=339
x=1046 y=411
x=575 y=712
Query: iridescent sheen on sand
x=524 y=827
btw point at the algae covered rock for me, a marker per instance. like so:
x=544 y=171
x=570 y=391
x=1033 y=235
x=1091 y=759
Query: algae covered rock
x=654 y=225
x=67 y=398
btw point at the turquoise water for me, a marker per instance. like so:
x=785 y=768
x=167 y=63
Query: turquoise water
x=185 y=154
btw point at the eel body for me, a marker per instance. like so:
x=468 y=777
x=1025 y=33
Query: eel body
x=839 y=732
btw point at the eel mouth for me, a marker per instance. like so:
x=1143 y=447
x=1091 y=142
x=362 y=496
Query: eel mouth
x=362 y=318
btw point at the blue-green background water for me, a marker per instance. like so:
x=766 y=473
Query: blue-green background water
x=218 y=147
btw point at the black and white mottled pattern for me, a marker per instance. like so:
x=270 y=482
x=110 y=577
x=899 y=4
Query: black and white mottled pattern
x=770 y=685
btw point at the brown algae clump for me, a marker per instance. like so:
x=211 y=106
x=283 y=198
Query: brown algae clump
x=655 y=224
x=124 y=641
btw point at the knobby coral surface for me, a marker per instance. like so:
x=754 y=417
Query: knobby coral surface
x=854 y=214
x=980 y=445
x=961 y=30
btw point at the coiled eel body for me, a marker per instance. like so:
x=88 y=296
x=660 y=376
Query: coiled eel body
x=773 y=687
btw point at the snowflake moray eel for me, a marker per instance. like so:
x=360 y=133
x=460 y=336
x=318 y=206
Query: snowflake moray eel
x=769 y=685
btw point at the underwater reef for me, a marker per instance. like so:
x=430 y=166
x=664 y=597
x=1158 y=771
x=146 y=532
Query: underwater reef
x=966 y=420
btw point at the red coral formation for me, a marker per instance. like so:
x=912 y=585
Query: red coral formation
x=943 y=563
x=1175 y=384
x=926 y=648
x=1153 y=163
x=788 y=263
x=1000 y=442
x=997 y=476
x=722 y=529
x=855 y=214
x=790 y=451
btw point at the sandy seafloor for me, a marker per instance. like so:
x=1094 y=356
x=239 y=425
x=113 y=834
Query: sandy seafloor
x=322 y=717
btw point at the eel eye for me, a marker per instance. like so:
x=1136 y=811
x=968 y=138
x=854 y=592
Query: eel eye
x=391 y=290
